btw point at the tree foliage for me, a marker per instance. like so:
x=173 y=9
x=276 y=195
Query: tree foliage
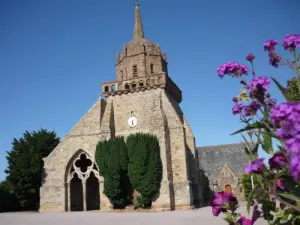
x=8 y=200
x=25 y=165
x=145 y=166
x=112 y=160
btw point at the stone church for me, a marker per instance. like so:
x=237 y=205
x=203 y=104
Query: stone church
x=142 y=98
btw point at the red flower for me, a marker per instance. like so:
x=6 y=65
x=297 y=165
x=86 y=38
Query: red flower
x=250 y=57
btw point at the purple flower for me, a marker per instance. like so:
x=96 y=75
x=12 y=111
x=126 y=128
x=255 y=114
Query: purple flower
x=271 y=102
x=270 y=44
x=291 y=41
x=286 y=116
x=256 y=166
x=274 y=59
x=280 y=183
x=256 y=213
x=244 y=221
x=285 y=112
x=235 y=99
x=278 y=161
x=220 y=200
x=295 y=166
x=232 y=69
x=251 y=109
x=237 y=108
x=259 y=83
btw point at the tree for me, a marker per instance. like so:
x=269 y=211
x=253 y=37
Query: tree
x=25 y=165
x=111 y=158
x=145 y=166
x=8 y=200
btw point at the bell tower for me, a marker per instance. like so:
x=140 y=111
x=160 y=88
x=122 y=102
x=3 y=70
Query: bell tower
x=141 y=64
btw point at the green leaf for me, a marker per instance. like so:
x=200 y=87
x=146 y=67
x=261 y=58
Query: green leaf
x=250 y=199
x=287 y=96
x=267 y=143
x=255 y=125
x=259 y=179
x=289 y=196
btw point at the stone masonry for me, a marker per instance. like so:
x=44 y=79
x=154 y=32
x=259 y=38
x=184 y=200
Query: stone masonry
x=222 y=165
x=143 y=98
x=142 y=90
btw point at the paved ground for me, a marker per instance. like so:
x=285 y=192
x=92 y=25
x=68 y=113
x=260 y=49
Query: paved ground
x=201 y=216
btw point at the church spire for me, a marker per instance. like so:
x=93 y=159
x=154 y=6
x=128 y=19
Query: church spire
x=138 y=26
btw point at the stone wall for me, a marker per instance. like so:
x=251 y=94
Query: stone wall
x=223 y=164
x=83 y=137
x=157 y=113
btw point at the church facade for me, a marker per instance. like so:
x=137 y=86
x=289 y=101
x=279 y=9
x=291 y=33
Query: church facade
x=142 y=98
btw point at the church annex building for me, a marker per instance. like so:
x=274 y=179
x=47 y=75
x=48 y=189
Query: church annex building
x=142 y=98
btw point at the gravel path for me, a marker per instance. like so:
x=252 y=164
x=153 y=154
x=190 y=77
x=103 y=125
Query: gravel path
x=201 y=216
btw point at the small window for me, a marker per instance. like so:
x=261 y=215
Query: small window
x=106 y=89
x=152 y=68
x=141 y=84
x=135 y=71
x=163 y=67
x=122 y=75
x=113 y=88
x=126 y=86
x=133 y=85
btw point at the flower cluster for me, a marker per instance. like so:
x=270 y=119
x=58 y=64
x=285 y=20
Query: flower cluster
x=251 y=109
x=233 y=69
x=280 y=120
x=258 y=87
x=270 y=44
x=291 y=41
x=278 y=161
x=256 y=166
x=270 y=102
x=259 y=83
x=237 y=108
x=286 y=117
x=223 y=201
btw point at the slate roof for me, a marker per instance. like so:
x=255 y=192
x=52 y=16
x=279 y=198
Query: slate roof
x=213 y=158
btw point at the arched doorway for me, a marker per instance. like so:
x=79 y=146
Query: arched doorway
x=76 y=194
x=82 y=183
x=228 y=188
x=92 y=193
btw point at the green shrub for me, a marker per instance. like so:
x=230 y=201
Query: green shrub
x=111 y=158
x=144 y=166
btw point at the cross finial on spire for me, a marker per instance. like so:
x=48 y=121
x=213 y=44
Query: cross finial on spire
x=138 y=26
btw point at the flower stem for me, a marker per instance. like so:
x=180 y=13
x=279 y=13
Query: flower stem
x=253 y=71
x=275 y=197
x=297 y=68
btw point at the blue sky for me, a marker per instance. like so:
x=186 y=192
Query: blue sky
x=54 y=55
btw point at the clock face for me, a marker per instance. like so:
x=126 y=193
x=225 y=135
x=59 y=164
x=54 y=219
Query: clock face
x=132 y=121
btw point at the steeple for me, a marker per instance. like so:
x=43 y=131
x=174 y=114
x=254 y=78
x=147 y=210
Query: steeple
x=138 y=26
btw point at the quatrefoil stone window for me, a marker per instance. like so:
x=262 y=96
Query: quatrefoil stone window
x=83 y=163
